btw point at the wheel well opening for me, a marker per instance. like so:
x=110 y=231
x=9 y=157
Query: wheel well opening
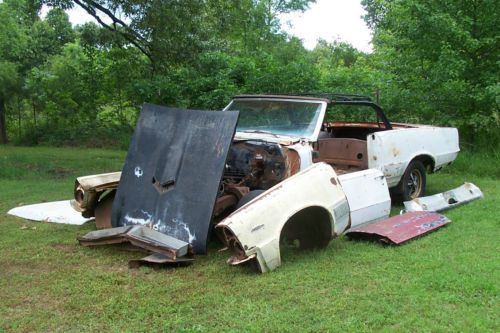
x=307 y=229
x=427 y=161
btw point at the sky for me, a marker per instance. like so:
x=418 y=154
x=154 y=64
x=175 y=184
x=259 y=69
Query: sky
x=330 y=20
x=327 y=19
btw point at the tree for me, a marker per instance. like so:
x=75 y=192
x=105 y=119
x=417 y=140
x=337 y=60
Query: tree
x=443 y=59
x=26 y=42
x=13 y=41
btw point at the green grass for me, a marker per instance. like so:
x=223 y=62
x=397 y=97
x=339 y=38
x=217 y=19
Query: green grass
x=446 y=281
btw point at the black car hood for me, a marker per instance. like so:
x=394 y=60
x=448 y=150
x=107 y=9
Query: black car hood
x=173 y=170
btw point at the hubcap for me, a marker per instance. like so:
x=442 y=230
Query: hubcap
x=415 y=183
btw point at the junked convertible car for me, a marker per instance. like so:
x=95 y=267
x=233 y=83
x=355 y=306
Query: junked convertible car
x=302 y=168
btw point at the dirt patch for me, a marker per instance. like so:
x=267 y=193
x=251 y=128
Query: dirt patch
x=59 y=172
x=68 y=248
x=9 y=268
x=29 y=166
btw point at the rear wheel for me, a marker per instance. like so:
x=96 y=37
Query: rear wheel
x=413 y=182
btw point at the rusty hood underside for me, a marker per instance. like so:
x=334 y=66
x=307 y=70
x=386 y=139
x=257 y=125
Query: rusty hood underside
x=400 y=228
x=172 y=172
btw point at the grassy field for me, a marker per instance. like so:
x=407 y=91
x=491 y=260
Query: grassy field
x=447 y=281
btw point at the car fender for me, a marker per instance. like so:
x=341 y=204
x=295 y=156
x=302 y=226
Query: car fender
x=254 y=230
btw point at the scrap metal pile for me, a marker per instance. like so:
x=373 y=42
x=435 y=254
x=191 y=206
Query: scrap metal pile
x=169 y=197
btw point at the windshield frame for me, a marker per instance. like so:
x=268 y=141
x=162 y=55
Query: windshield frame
x=317 y=128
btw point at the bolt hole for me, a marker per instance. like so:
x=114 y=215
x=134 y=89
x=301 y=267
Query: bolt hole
x=359 y=156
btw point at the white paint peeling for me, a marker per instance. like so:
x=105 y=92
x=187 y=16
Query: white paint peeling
x=191 y=237
x=138 y=172
x=180 y=230
x=138 y=220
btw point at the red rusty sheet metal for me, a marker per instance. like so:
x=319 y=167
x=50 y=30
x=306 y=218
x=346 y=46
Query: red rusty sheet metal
x=402 y=228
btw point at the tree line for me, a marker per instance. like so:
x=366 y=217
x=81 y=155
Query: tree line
x=434 y=62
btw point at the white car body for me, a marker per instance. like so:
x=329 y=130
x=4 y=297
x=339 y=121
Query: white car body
x=349 y=190
x=389 y=151
x=316 y=200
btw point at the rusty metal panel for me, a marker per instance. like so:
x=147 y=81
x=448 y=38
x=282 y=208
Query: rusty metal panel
x=105 y=237
x=139 y=236
x=172 y=172
x=343 y=151
x=402 y=228
x=103 y=211
x=159 y=260
x=88 y=189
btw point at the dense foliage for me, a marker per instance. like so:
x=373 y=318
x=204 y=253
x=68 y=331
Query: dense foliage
x=434 y=62
x=442 y=61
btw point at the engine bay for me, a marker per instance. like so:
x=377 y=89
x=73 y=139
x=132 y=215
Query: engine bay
x=253 y=165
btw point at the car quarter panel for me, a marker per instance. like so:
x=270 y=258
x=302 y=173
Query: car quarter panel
x=391 y=151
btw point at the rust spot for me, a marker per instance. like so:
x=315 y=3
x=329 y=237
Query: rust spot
x=395 y=152
x=224 y=202
x=293 y=162
x=344 y=151
x=259 y=165
x=103 y=211
x=234 y=245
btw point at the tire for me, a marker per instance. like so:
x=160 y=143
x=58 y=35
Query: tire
x=248 y=197
x=413 y=182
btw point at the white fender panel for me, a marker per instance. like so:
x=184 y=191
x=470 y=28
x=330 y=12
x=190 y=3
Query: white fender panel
x=258 y=224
